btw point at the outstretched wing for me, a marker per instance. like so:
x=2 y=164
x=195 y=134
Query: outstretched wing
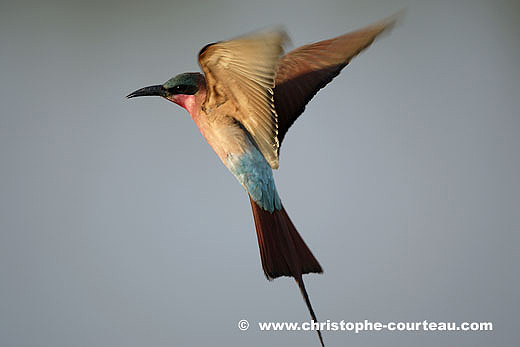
x=307 y=69
x=242 y=71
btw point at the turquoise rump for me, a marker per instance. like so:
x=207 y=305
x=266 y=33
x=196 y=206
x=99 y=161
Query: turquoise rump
x=254 y=173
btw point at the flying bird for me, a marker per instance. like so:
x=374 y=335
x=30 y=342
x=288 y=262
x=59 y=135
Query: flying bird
x=244 y=103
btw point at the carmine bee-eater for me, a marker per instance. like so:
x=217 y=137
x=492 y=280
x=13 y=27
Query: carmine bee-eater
x=249 y=96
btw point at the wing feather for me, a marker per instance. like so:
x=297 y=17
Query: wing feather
x=242 y=71
x=305 y=70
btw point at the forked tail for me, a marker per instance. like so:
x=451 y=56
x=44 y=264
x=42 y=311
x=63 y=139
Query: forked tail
x=283 y=251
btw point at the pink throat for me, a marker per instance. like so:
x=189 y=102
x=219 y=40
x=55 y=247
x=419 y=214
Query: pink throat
x=186 y=101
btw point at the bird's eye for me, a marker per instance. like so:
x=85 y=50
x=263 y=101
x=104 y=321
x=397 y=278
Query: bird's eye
x=183 y=89
x=178 y=89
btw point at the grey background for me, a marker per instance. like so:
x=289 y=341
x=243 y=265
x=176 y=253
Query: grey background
x=120 y=227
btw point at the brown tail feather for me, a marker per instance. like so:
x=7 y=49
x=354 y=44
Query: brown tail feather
x=283 y=251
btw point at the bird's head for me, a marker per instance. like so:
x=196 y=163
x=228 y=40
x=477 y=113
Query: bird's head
x=181 y=89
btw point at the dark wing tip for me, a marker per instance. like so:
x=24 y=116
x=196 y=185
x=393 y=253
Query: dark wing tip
x=205 y=48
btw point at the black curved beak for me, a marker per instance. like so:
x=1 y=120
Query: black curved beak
x=148 y=91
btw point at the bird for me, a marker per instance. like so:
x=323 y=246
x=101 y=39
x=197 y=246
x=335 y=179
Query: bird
x=249 y=95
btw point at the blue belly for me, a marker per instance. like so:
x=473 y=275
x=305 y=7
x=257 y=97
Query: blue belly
x=254 y=173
